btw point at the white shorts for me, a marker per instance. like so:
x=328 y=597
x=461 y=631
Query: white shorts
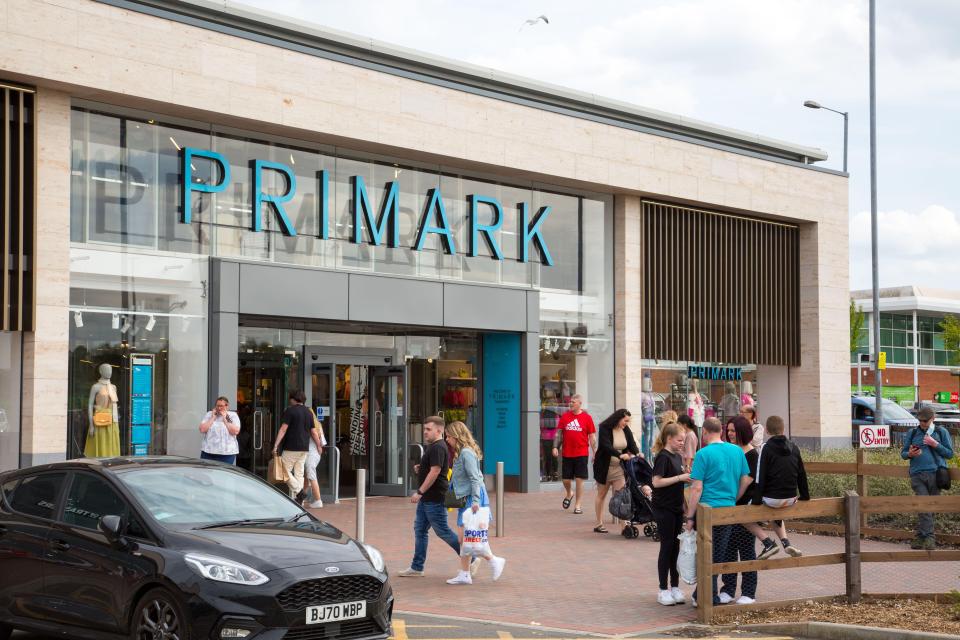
x=310 y=467
x=779 y=503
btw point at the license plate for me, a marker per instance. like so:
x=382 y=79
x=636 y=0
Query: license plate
x=337 y=612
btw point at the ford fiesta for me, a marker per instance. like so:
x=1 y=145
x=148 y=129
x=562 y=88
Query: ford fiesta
x=178 y=549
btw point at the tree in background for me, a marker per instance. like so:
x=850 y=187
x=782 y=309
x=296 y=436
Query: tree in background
x=857 y=326
x=951 y=337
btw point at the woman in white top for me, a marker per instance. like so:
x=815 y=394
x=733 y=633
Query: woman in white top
x=220 y=428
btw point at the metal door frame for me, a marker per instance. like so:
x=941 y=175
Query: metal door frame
x=390 y=488
x=333 y=356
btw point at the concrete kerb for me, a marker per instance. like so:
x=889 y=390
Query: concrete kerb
x=836 y=631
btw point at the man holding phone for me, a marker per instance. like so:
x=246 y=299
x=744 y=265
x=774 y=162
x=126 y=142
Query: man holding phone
x=220 y=427
x=927 y=447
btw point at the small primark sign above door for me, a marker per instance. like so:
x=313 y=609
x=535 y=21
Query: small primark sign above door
x=382 y=228
x=707 y=372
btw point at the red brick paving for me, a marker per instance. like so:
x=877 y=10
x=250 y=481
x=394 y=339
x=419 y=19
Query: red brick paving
x=562 y=575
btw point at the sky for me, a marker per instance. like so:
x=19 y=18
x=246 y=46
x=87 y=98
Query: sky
x=747 y=64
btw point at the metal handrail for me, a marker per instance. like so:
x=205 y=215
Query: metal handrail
x=418 y=446
x=336 y=474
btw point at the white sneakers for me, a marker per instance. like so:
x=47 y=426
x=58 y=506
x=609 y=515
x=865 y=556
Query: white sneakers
x=462 y=577
x=745 y=600
x=678 y=596
x=316 y=504
x=725 y=598
x=665 y=597
x=497 y=565
x=409 y=573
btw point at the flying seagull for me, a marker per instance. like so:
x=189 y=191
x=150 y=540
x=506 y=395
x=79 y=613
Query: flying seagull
x=533 y=21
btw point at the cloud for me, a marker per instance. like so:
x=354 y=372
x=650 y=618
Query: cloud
x=915 y=248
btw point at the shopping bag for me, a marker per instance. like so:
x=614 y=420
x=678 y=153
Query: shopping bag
x=687 y=560
x=621 y=504
x=275 y=470
x=476 y=529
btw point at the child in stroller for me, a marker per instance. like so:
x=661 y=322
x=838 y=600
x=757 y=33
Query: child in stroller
x=639 y=477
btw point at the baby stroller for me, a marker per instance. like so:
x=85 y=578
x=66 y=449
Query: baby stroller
x=638 y=473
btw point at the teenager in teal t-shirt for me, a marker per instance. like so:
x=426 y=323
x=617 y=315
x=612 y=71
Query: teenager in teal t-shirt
x=720 y=466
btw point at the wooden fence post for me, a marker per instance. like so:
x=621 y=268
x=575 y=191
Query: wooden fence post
x=852 y=546
x=704 y=564
x=861 y=484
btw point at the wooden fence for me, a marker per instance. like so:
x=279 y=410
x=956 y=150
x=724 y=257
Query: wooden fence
x=863 y=471
x=852 y=507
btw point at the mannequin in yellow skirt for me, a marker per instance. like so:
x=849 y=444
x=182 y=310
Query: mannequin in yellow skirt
x=103 y=437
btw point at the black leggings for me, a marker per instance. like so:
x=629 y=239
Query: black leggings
x=669 y=526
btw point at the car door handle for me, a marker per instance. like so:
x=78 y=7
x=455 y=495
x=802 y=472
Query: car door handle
x=60 y=545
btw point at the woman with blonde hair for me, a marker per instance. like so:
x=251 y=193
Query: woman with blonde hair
x=668 y=505
x=467 y=482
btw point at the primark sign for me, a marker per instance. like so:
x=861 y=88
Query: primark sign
x=382 y=227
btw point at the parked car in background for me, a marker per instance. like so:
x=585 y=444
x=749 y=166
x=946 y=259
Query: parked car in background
x=164 y=548
x=864 y=408
x=947 y=414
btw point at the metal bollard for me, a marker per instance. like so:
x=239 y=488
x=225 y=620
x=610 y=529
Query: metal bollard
x=361 y=502
x=499 y=515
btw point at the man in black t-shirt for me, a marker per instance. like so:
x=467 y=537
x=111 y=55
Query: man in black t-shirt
x=431 y=488
x=296 y=431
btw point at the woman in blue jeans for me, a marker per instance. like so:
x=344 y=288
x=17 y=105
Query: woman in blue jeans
x=467 y=482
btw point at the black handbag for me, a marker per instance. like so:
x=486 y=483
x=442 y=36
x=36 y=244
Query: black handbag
x=943 y=478
x=451 y=501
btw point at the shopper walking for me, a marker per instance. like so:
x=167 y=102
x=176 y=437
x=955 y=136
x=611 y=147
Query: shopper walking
x=668 y=479
x=927 y=447
x=467 y=482
x=310 y=468
x=719 y=477
x=431 y=488
x=293 y=441
x=742 y=546
x=220 y=427
x=615 y=443
x=576 y=437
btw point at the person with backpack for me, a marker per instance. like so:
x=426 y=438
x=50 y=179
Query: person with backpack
x=781 y=481
x=927 y=447
x=668 y=479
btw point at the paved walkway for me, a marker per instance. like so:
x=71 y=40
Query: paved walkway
x=561 y=575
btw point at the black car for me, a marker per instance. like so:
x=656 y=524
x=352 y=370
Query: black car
x=178 y=549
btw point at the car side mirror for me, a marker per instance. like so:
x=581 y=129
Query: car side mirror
x=111 y=527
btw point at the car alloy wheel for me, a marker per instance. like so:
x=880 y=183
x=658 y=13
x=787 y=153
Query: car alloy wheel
x=159 y=618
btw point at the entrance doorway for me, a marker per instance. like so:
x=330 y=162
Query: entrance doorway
x=262 y=391
x=359 y=397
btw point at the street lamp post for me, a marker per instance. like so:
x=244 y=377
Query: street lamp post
x=813 y=104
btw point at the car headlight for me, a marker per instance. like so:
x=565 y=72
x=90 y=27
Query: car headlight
x=376 y=558
x=223 y=570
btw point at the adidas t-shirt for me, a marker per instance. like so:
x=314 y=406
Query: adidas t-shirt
x=576 y=431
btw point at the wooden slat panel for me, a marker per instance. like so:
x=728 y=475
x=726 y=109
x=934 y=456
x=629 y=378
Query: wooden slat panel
x=910 y=504
x=779 y=563
x=5 y=209
x=841 y=468
x=739 y=271
x=816 y=508
x=936 y=555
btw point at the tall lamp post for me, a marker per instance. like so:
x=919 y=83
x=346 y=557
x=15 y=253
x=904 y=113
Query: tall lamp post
x=813 y=104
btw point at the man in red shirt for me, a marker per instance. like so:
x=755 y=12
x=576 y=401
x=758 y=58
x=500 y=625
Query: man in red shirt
x=577 y=435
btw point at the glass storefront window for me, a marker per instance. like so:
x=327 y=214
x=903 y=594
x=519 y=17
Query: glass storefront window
x=125 y=309
x=672 y=390
x=9 y=399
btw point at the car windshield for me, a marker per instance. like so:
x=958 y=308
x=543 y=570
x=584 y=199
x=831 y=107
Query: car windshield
x=183 y=496
x=891 y=410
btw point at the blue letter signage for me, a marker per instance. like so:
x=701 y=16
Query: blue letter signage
x=383 y=226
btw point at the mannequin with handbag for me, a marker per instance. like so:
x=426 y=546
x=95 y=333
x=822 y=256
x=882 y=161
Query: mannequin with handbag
x=103 y=436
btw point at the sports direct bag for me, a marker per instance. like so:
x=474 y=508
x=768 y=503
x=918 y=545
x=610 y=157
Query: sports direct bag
x=687 y=560
x=621 y=504
x=476 y=529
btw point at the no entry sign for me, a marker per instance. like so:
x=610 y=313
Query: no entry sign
x=874 y=436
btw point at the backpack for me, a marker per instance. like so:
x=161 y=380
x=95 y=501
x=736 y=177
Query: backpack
x=621 y=504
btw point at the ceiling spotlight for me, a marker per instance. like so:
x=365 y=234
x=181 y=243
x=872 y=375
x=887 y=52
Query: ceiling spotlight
x=186 y=324
x=135 y=328
x=151 y=323
x=115 y=321
x=126 y=325
x=566 y=344
x=78 y=319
